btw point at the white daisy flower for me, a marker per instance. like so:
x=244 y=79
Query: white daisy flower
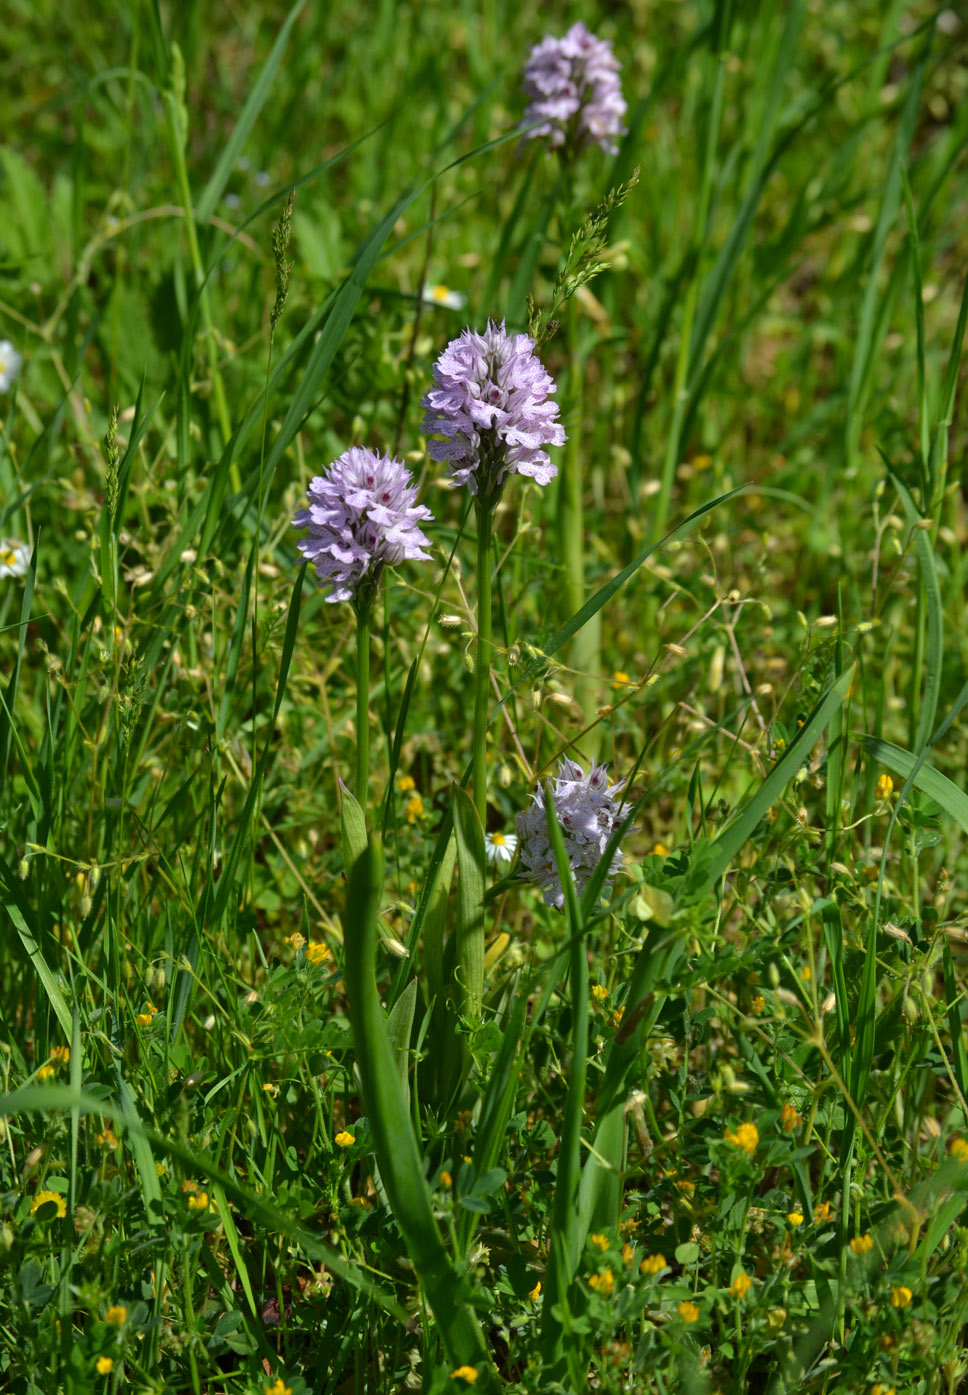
x=500 y=847
x=14 y=556
x=441 y=295
x=10 y=362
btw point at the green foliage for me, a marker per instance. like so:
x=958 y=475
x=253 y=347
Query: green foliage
x=300 y=1090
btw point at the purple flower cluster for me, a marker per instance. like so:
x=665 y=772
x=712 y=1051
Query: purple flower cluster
x=588 y=814
x=574 y=90
x=362 y=516
x=492 y=406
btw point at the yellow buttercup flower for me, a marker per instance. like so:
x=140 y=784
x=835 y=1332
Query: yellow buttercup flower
x=445 y=1180
x=603 y=1282
x=116 y=1315
x=535 y=1293
x=46 y=1198
x=413 y=810
x=958 y=1148
x=795 y=1218
x=620 y=679
x=61 y=1054
x=901 y=1296
x=104 y=1365
x=659 y=850
x=653 y=1264
x=405 y=783
x=344 y=1139
x=861 y=1245
x=600 y=1242
x=741 y=1285
x=45 y=1072
x=316 y=953
x=688 y=1312
x=278 y=1387
x=745 y=1137
x=468 y=1373
x=198 y=1201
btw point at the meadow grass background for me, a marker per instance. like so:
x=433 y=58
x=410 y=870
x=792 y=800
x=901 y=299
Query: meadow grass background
x=779 y=308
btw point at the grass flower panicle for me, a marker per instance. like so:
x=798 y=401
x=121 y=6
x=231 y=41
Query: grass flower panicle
x=10 y=362
x=362 y=516
x=588 y=813
x=574 y=91
x=492 y=405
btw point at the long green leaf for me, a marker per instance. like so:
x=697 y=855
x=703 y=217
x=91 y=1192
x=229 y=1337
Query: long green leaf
x=397 y=1154
x=951 y=797
x=711 y=858
x=248 y=116
x=470 y=901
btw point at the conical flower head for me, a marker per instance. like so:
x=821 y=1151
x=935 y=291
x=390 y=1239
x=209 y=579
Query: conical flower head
x=588 y=813
x=362 y=516
x=574 y=90
x=492 y=405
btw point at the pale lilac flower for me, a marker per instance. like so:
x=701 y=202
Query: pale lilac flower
x=10 y=362
x=500 y=847
x=492 y=404
x=588 y=814
x=574 y=90
x=14 y=557
x=362 y=516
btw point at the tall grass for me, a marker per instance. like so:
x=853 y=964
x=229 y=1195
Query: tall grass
x=300 y=1090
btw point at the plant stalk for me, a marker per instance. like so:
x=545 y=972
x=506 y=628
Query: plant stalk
x=482 y=661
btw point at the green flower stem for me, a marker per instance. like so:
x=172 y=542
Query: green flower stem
x=362 y=702
x=394 y=1142
x=585 y=649
x=177 y=151
x=482 y=662
x=684 y=359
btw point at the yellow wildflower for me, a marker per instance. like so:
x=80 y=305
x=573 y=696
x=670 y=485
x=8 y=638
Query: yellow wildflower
x=445 y=1179
x=688 y=1312
x=795 y=1218
x=741 y=1285
x=599 y=992
x=271 y=1088
x=653 y=1264
x=116 y=1315
x=45 y=1198
x=600 y=1242
x=861 y=1245
x=878 y=1389
x=344 y=1139
x=958 y=1148
x=104 y=1365
x=746 y=1138
x=278 y=1387
x=603 y=1282
x=160 y=1169
x=620 y=679
x=775 y=1319
x=145 y=1019
x=106 y=1139
x=821 y=1212
x=790 y=1120
x=628 y=1254
x=617 y=1016
x=45 y=1072
x=758 y=1003
x=901 y=1296
x=295 y=941
x=701 y=462
x=659 y=850
x=316 y=952
x=198 y=1201
x=535 y=1293
x=405 y=783
x=468 y=1373
x=412 y=812
x=61 y=1054
x=884 y=787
